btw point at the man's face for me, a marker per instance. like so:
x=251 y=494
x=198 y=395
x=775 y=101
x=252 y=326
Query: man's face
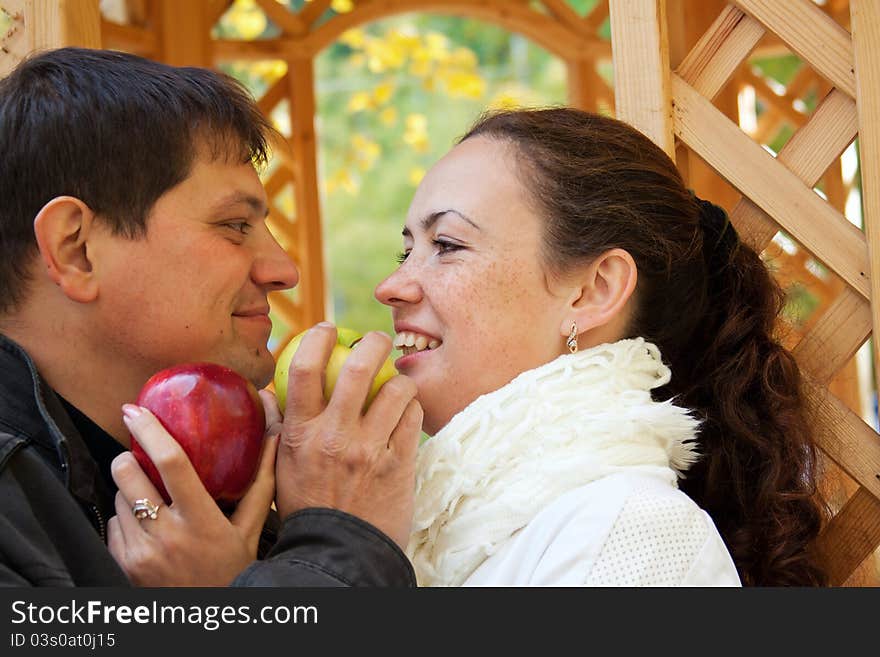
x=195 y=287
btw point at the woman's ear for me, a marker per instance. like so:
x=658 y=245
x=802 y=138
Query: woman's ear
x=603 y=289
x=62 y=229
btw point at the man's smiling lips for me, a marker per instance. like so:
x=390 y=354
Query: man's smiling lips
x=257 y=315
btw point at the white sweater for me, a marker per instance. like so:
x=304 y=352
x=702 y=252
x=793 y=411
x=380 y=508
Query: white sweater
x=567 y=476
x=626 y=529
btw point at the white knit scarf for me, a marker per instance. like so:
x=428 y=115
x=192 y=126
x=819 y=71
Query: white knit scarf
x=552 y=429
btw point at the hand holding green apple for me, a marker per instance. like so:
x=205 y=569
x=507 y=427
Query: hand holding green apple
x=346 y=339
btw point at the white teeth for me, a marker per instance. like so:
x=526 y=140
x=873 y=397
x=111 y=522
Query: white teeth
x=410 y=342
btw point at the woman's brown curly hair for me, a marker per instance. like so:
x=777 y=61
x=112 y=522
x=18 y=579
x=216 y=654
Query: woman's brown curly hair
x=709 y=303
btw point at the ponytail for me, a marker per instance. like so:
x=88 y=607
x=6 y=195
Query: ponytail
x=757 y=475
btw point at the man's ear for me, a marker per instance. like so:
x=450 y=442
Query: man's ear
x=62 y=229
x=603 y=289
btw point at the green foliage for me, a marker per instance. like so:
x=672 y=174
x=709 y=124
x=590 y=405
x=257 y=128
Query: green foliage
x=781 y=68
x=799 y=305
x=583 y=7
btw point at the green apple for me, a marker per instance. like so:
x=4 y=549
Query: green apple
x=346 y=338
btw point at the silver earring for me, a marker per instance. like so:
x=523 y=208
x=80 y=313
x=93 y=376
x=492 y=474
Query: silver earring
x=572 y=341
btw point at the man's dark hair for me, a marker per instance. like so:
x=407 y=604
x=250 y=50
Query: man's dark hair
x=114 y=130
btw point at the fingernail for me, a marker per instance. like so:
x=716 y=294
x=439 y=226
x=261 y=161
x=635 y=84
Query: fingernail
x=131 y=411
x=325 y=324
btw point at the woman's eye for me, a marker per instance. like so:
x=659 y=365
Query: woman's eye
x=446 y=247
x=402 y=256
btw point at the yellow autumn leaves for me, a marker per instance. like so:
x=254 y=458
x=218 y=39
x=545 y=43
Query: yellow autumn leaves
x=246 y=20
x=429 y=57
x=397 y=57
x=393 y=65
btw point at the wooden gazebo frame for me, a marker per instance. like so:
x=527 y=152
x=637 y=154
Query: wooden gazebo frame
x=678 y=69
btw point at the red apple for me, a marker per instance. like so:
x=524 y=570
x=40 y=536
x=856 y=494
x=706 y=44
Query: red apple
x=216 y=416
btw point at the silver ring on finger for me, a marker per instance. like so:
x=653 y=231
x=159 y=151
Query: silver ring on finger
x=144 y=508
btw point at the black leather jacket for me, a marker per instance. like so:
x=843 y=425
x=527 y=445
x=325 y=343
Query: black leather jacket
x=54 y=507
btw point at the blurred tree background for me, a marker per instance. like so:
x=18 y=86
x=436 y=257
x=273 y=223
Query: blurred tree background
x=392 y=98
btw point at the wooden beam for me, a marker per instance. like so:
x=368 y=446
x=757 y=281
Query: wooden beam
x=214 y=10
x=641 y=68
x=844 y=436
x=835 y=338
x=688 y=24
x=758 y=175
x=274 y=94
x=312 y=11
x=132 y=39
x=810 y=151
x=56 y=23
x=851 y=536
x=866 y=38
x=280 y=48
x=563 y=12
x=811 y=34
x=515 y=16
x=593 y=21
x=46 y=24
x=276 y=182
x=721 y=50
x=304 y=147
x=185 y=33
x=15 y=42
x=289 y=23
x=585 y=85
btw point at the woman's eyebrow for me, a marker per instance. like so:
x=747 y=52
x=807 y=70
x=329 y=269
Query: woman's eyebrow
x=429 y=220
x=432 y=218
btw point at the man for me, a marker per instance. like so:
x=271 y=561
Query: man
x=133 y=237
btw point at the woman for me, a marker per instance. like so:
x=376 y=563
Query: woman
x=593 y=352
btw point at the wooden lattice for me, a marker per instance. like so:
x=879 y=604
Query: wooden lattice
x=39 y=24
x=13 y=44
x=777 y=192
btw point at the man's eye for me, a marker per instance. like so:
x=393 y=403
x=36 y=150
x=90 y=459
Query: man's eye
x=239 y=226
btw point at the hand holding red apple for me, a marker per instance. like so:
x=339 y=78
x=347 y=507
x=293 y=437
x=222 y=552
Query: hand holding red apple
x=217 y=418
x=191 y=542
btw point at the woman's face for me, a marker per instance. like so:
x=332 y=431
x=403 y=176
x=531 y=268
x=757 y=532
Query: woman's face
x=471 y=295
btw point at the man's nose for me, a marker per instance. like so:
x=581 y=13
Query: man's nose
x=273 y=268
